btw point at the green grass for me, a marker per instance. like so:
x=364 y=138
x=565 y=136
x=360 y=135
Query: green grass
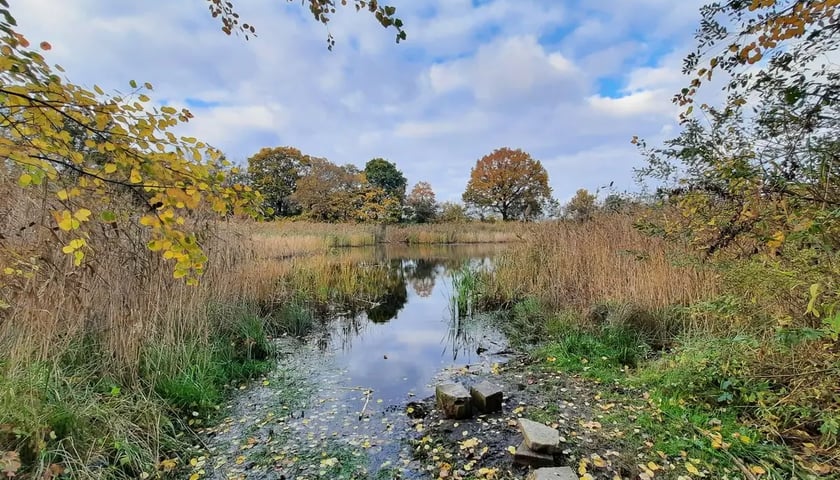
x=466 y=285
x=598 y=354
x=702 y=401
x=68 y=413
x=294 y=317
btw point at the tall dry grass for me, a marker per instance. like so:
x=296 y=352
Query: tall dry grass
x=123 y=297
x=311 y=237
x=569 y=264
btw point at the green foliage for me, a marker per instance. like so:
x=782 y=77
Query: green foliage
x=466 y=290
x=333 y=193
x=274 y=172
x=452 y=213
x=67 y=419
x=600 y=353
x=756 y=176
x=294 y=317
x=192 y=375
x=384 y=174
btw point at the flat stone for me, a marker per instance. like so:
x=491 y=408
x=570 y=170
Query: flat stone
x=454 y=400
x=559 y=473
x=486 y=397
x=526 y=456
x=539 y=437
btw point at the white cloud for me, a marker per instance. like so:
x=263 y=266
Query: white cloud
x=644 y=102
x=511 y=68
x=470 y=78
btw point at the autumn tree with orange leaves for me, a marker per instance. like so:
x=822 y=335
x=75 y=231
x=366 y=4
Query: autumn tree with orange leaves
x=510 y=183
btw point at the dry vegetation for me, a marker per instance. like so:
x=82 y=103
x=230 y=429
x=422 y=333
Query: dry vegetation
x=580 y=264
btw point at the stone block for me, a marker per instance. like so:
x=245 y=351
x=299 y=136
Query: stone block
x=539 y=437
x=559 y=473
x=454 y=400
x=526 y=456
x=486 y=397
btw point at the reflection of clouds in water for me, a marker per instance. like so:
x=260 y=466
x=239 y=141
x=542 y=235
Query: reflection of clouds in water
x=423 y=287
x=413 y=331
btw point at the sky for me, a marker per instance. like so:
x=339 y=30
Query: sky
x=568 y=81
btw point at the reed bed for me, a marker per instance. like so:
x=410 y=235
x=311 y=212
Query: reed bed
x=568 y=264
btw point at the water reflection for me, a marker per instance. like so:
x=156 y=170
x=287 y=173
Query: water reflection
x=395 y=335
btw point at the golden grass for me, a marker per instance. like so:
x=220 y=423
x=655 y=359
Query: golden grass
x=123 y=298
x=578 y=265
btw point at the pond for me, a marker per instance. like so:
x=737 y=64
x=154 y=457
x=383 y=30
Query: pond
x=340 y=402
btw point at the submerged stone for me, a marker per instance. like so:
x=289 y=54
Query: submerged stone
x=539 y=437
x=559 y=473
x=454 y=400
x=486 y=397
x=526 y=456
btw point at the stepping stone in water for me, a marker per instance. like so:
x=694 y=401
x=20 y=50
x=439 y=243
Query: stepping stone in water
x=561 y=473
x=486 y=397
x=526 y=456
x=454 y=400
x=539 y=437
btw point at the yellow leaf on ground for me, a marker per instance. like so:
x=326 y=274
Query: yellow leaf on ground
x=82 y=214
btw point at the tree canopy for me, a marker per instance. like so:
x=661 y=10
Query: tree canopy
x=508 y=182
x=421 y=203
x=274 y=172
x=385 y=175
x=758 y=174
x=84 y=147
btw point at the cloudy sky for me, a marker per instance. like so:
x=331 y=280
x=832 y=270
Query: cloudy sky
x=569 y=81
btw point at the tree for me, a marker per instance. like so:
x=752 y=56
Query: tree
x=274 y=172
x=510 y=183
x=326 y=192
x=128 y=147
x=581 y=206
x=385 y=175
x=451 y=212
x=615 y=203
x=421 y=203
x=131 y=146
x=322 y=10
x=767 y=175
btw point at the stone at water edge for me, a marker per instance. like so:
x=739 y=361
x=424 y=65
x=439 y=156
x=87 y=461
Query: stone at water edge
x=560 y=473
x=486 y=397
x=454 y=400
x=539 y=437
x=526 y=456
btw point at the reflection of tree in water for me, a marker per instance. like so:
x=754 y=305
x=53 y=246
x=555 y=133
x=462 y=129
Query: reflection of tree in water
x=394 y=295
x=421 y=274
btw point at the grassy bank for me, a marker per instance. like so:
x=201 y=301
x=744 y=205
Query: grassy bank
x=713 y=365
x=105 y=367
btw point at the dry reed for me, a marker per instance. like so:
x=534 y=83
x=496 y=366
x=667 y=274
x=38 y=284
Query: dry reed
x=580 y=264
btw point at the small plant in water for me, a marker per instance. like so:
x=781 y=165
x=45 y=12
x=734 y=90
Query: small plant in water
x=465 y=290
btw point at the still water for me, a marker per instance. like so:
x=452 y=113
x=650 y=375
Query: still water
x=357 y=374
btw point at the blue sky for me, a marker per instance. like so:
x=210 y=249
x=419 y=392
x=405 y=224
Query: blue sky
x=568 y=81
